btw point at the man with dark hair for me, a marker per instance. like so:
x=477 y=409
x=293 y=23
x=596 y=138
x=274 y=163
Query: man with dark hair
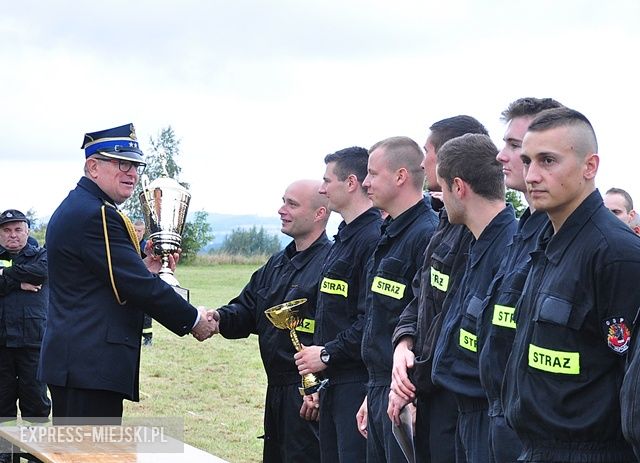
x=496 y=328
x=290 y=428
x=341 y=306
x=472 y=183
x=394 y=183
x=419 y=324
x=620 y=203
x=562 y=382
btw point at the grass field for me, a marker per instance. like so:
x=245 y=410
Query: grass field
x=217 y=386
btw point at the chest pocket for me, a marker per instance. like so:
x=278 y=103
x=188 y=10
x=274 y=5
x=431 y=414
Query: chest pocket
x=390 y=279
x=555 y=341
x=468 y=340
x=441 y=262
x=336 y=278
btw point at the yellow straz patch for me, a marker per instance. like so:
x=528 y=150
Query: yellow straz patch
x=388 y=288
x=439 y=280
x=468 y=340
x=503 y=316
x=307 y=326
x=339 y=287
x=554 y=361
x=5 y=263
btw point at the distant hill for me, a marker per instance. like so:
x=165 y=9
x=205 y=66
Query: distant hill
x=223 y=224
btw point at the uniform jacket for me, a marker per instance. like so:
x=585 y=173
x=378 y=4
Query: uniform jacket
x=437 y=281
x=92 y=341
x=455 y=364
x=286 y=276
x=563 y=378
x=497 y=326
x=23 y=314
x=390 y=271
x=342 y=296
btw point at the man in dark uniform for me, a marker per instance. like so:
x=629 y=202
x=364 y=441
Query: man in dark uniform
x=99 y=288
x=497 y=327
x=419 y=324
x=473 y=193
x=394 y=184
x=23 y=310
x=562 y=382
x=147 y=325
x=340 y=309
x=290 y=428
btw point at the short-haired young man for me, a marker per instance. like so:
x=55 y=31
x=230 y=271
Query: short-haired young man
x=574 y=318
x=620 y=203
x=340 y=307
x=472 y=184
x=394 y=183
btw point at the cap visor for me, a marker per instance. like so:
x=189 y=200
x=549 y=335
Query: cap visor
x=125 y=155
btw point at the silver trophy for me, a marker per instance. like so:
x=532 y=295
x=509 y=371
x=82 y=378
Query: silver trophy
x=164 y=204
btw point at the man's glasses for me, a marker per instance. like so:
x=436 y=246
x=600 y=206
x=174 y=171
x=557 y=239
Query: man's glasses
x=125 y=166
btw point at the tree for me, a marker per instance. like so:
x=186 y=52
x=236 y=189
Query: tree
x=249 y=242
x=513 y=197
x=196 y=235
x=161 y=160
x=36 y=229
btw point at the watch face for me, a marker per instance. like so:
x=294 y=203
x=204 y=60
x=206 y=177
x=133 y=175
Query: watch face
x=324 y=356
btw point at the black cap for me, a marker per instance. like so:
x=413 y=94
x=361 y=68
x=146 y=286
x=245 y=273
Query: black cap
x=13 y=215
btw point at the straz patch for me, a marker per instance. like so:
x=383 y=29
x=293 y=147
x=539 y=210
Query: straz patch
x=5 y=263
x=468 y=340
x=554 y=361
x=388 y=287
x=339 y=287
x=504 y=316
x=618 y=334
x=307 y=326
x=439 y=280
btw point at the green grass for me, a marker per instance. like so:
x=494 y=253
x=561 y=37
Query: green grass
x=217 y=386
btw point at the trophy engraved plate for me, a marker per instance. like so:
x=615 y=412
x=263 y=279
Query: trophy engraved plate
x=165 y=204
x=287 y=316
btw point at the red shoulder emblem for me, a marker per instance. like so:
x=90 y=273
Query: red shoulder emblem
x=618 y=334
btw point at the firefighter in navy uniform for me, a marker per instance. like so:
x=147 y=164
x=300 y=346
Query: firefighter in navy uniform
x=496 y=328
x=562 y=382
x=24 y=292
x=290 y=427
x=100 y=288
x=340 y=310
x=473 y=191
x=394 y=184
x=419 y=324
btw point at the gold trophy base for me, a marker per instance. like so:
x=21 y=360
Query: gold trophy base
x=311 y=384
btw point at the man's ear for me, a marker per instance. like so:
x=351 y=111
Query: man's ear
x=458 y=187
x=591 y=163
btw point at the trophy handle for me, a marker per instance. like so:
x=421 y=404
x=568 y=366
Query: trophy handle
x=147 y=197
x=295 y=340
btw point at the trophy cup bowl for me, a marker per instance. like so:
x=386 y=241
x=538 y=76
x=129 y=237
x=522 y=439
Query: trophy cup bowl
x=287 y=316
x=164 y=205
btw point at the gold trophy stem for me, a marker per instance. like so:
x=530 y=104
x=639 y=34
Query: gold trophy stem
x=295 y=340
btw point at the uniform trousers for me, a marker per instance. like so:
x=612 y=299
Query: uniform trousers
x=85 y=406
x=18 y=385
x=382 y=446
x=340 y=440
x=287 y=437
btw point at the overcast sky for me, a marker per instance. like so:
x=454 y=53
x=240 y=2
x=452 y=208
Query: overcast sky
x=260 y=91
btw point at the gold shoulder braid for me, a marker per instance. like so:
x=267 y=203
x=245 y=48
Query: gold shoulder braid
x=132 y=236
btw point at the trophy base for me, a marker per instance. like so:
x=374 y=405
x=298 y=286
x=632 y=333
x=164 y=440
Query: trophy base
x=173 y=282
x=314 y=388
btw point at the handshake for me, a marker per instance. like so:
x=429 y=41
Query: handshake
x=207 y=325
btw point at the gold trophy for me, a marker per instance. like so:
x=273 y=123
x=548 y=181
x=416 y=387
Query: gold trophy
x=164 y=204
x=287 y=316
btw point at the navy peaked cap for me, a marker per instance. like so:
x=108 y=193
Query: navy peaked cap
x=118 y=143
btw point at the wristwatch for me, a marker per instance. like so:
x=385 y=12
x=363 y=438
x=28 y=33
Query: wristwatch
x=325 y=357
